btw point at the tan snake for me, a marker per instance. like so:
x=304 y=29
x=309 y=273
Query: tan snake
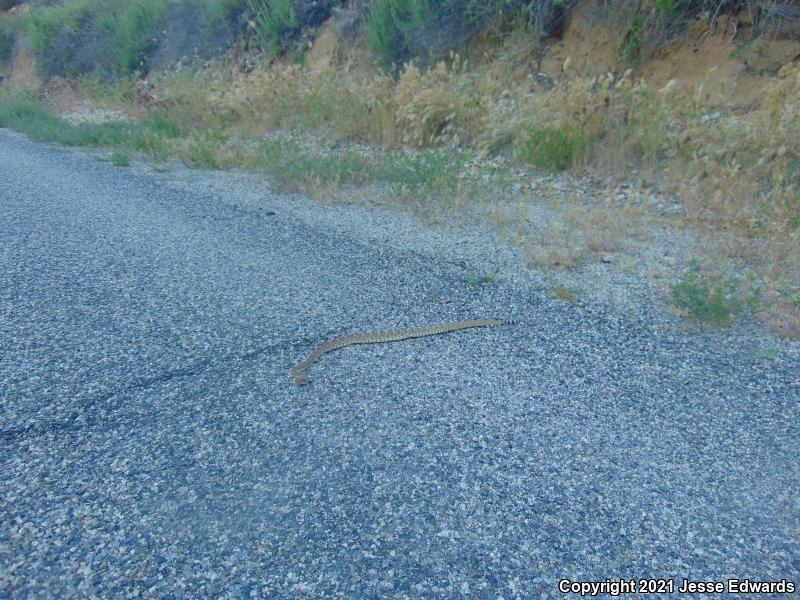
x=301 y=377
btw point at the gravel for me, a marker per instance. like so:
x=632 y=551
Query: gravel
x=152 y=442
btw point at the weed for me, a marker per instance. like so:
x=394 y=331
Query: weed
x=763 y=354
x=162 y=124
x=563 y=293
x=709 y=298
x=275 y=22
x=202 y=151
x=475 y=278
x=292 y=166
x=299 y=55
x=389 y=28
x=120 y=159
x=113 y=38
x=631 y=46
x=133 y=40
x=94 y=36
x=426 y=170
x=551 y=148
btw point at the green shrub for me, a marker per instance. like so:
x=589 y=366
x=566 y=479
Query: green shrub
x=279 y=24
x=709 y=298
x=390 y=26
x=8 y=35
x=54 y=35
x=133 y=39
x=275 y=23
x=399 y=30
x=112 y=38
x=631 y=46
x=98 y=37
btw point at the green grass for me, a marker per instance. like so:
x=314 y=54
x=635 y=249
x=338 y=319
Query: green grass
x=40 y=124
x=475 y=278
x=388 y=27
x=713 y=299
x=552 y=148
x=275 y=24
x=290 y=164
x=631 y=46
x=156 y=136
x=168 y=133
x=426 y=170
x=120 y=159
x=115 y=38
x=101 y=37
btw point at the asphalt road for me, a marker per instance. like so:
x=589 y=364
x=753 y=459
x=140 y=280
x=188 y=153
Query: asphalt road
x=152 y=440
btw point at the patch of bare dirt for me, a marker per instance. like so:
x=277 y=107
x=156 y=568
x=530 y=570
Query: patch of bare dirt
x=590 y=43
x=732 y=72
x=722 y=56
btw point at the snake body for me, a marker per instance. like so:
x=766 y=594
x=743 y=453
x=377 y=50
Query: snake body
x=301 y=377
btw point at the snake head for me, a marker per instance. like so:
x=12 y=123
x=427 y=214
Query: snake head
x=300 y=377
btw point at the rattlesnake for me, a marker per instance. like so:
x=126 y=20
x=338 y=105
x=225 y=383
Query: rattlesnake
x=301 y=377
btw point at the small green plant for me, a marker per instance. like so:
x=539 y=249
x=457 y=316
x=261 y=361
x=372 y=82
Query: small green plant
x=95 y=36
x=204 y=149
x=631 y=46
x=120 y=159
x=563 y=293
x=291 y=166
x=709 y=298
x=275 y=24
x=486 y=279
x=299 y=55
x=763 y=354
x=389 y=28
x=425 y=170
x=116 y=38
x=552 y=148
x=666 y=8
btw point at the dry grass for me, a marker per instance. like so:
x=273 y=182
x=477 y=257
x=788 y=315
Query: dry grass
x=739 y=179
x=736 y=176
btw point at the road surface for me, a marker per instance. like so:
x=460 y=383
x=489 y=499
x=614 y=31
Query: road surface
x=152 y=440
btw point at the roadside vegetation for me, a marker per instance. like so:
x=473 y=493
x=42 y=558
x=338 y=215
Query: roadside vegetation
x=8 y=34
x=109 y=39
x=421 y=114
